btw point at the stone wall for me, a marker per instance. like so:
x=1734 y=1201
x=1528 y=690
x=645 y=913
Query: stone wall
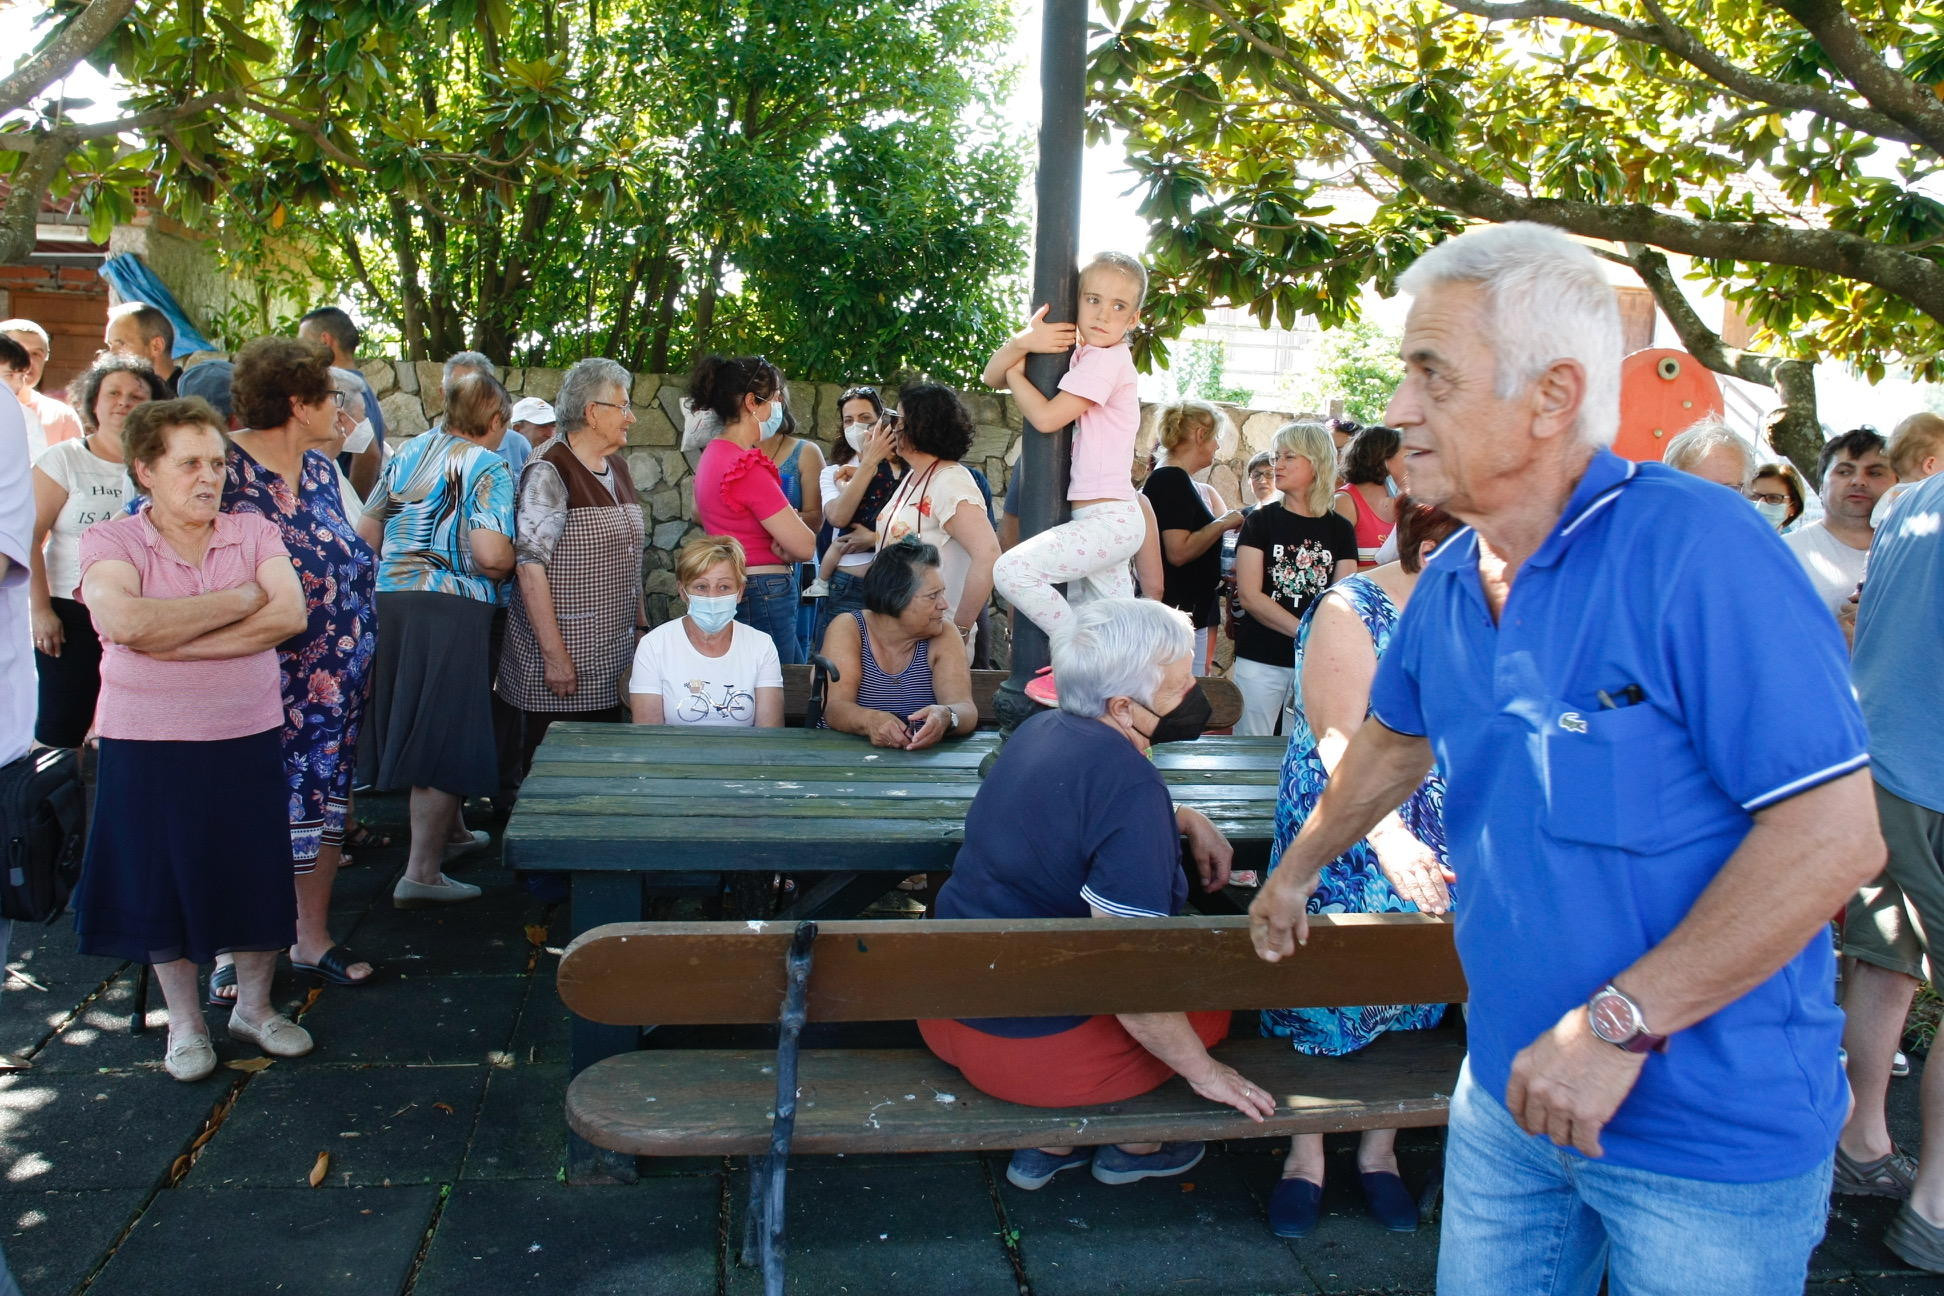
x=409 y=395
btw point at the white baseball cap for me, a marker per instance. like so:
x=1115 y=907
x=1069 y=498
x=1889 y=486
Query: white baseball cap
x=531 y=409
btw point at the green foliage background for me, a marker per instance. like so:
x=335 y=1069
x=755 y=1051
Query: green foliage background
x=826 y=181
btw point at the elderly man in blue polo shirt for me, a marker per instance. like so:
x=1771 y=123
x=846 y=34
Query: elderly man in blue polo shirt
x=1657 y=795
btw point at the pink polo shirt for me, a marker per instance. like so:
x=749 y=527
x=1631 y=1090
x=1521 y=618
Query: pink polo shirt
x=150 y=700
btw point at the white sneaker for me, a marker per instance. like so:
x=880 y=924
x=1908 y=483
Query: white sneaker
x=816 y=589
x=423 y=895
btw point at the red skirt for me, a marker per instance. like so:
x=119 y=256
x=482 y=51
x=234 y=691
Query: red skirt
x=1094 y=1062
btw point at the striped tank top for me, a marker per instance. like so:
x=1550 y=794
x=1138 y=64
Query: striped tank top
x=900 y=694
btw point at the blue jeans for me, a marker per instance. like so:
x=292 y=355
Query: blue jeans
x=1524 y=1217
x=846 y=596
x=769 y=603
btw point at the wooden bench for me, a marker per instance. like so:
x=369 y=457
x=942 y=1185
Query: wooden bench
x=1224 y=699
x=720 y=1102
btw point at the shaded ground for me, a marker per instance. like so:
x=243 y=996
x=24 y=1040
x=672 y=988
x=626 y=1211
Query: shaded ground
x=437 y=1094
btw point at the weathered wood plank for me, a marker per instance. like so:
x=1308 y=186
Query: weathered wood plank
x=718 y=1102
x=690 y=973
x=1224 y=699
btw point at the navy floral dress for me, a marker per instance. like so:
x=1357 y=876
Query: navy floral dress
x=1351 y=883
x=327 y=667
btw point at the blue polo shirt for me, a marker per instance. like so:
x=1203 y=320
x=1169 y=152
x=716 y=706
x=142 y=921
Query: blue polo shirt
x=1583 y=833
x=1900 y=648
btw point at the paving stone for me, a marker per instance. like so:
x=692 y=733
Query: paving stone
x=656 y=1238
x=522 y=1130
x=486 y=936
x=415 y=1019
x=99 y=1037
x=382 y=1126
x=54 y=1239
x=1202 y=1232
x=900 y=1228
x=1350 y=1252
x=545 y=1025
x=242 y=1242
x=1853 y=1241
x=115 y=1130
x=46 y=979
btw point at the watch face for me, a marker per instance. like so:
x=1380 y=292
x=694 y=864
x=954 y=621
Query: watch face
x=1613 y=1018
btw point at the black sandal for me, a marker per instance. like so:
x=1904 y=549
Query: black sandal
x=335 y=967
x=360 y=836
x=223 y=975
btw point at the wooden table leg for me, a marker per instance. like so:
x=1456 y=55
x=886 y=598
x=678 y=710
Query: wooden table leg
x=840 y=895
x=600 y=897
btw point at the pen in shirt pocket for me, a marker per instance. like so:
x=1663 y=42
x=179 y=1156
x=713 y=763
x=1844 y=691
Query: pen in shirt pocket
x=1631 y=695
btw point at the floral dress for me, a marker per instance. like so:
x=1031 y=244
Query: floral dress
x=1351 y=883
x=325 y=668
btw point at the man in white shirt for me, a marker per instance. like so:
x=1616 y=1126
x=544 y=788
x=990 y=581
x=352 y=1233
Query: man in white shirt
x=48 y=420
x=1835 y=550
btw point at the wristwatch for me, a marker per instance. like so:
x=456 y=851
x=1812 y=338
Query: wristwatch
x=1617 y=1019
x=951 y=711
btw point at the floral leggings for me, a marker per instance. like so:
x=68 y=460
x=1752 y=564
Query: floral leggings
x=1095 y=548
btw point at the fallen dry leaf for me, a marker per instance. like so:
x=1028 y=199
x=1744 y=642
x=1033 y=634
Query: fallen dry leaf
x=250 y=1064
x=180 y=1168
x=320 y=1169
x=536 y=934
x=444 y=1107
x=1187 y=1187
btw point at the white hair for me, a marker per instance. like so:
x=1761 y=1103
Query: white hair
x=25 y=326
x=1686 y=451
x=466 y=360
x=1547 y=299
x=1118 y=647
x=582 y=386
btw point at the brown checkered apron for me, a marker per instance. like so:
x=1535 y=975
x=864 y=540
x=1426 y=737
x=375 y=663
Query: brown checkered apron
x=595 y=577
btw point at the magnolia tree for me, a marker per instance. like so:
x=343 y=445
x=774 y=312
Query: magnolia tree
x=1790 y=149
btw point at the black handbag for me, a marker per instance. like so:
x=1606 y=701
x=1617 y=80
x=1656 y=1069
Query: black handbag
x=43 y=824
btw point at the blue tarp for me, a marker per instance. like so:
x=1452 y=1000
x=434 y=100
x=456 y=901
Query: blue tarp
x=133 y=281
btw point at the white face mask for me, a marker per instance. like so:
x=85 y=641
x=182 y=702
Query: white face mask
x=855 y=434
x=711 y=612
x=1773 y=514
x=359 y=437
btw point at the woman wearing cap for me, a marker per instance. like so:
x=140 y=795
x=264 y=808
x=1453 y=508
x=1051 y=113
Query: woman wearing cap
x=577 y=605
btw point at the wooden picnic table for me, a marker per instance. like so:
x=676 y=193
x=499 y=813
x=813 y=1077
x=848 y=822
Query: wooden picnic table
x=628 y=809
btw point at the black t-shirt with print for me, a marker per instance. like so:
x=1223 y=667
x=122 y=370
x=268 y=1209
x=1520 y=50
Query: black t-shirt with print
x=1299 y=558
x=1178 y=507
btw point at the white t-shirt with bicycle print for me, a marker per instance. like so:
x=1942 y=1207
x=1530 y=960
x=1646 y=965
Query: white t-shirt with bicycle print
x=700 y=690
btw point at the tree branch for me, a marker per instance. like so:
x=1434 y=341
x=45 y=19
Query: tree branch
x=20 y=213
x=1794 y=428
x=1663 y=33
x=54 y=60
x=1450 y=184
x=1888 y=89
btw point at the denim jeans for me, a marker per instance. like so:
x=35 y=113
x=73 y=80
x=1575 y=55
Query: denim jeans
x=769 y=603
x=846 y=596
x=1524 y=1218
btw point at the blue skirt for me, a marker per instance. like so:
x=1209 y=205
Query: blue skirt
x=189 y=851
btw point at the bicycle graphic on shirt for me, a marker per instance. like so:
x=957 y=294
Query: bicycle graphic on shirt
x=737 y=706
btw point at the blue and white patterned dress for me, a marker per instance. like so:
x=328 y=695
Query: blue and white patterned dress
x=1351 y=883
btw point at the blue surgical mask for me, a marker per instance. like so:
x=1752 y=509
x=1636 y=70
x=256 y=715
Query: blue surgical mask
x=712 y=612
x=1773 y=514
x=775 y=419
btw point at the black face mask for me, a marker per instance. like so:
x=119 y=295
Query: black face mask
x=1186 y=722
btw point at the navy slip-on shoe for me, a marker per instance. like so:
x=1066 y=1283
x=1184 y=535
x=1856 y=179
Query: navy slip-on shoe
x=1294 y=1208
x=1388 y=1202
x=1031 y=1168
x=1113 y=1166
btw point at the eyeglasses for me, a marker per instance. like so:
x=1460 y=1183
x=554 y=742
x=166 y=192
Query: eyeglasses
x=1761 y=497
x=609 y=404
x=338 y=398
x=858 y=393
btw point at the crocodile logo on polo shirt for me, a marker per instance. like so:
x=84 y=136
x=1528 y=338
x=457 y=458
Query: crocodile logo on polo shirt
x=1572 y=722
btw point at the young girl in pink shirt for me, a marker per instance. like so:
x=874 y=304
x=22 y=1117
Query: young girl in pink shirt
x=1098 y=393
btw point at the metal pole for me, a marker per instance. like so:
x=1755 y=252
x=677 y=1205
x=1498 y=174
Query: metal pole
x=1043 y=458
